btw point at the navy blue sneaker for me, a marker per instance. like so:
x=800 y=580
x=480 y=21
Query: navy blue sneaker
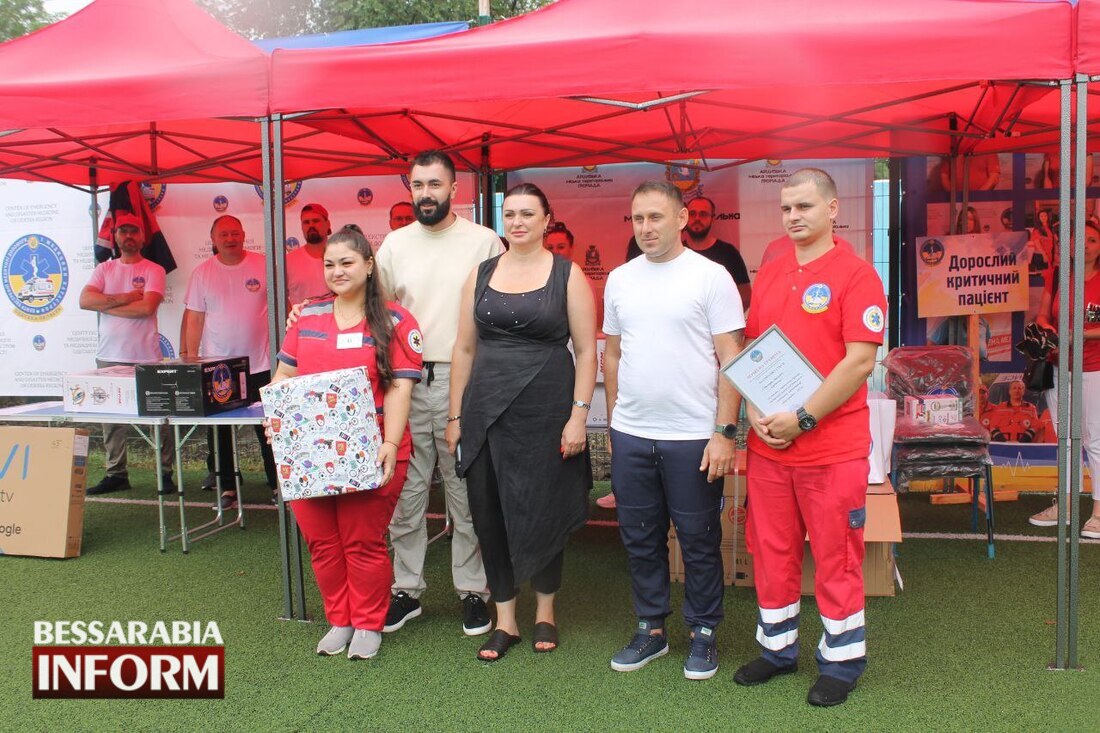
x=702 y=660
x=641 y=650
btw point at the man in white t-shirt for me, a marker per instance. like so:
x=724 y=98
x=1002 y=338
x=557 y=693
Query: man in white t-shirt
x=423 y=266
x=127 y=293
x=670 y=317
x=305 y=266
x=226 y=315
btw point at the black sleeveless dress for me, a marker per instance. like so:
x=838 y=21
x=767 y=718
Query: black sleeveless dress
x=517 y=402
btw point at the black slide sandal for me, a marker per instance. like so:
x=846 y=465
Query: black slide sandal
x=499 y=642
x=545 y=632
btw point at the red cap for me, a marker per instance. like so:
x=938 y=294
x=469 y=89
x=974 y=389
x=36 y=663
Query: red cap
x=316 y=208
x=127 y=218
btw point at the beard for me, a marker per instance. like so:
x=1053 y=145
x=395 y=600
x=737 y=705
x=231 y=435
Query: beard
x=442 y=209
x=698 y=234
x=314 y=237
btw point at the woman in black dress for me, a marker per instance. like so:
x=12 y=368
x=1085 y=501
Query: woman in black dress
x=517 y=414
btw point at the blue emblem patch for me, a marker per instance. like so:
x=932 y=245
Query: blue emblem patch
x=166 y=350
x=36 y=276
x=816 y=298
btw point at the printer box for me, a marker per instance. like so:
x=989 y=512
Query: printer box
x=43 y=474
x=108 y=390
x=192 y=387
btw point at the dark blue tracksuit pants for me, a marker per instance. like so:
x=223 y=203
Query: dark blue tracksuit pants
x=655 y=481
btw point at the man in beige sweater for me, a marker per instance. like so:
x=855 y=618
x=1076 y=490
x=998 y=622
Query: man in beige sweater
x=423 y=266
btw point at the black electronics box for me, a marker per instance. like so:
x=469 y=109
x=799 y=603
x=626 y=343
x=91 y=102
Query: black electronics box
x=192 y=387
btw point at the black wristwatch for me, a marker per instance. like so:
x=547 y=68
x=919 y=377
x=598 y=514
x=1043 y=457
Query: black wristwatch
x=806 y=421
x=729 y=430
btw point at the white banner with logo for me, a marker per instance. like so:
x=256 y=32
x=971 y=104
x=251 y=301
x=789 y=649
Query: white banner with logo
x=46 y=236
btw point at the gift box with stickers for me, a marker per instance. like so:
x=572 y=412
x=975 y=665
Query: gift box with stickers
x=325 y=435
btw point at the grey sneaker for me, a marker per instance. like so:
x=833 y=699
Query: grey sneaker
x=641 y=650
x=335 y=641
x=702 y=661
x=364 y=644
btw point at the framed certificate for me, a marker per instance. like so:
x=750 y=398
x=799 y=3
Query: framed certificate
x=772 y=374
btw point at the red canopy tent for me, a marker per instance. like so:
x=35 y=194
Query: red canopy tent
x=130 y=87
x=606 y=80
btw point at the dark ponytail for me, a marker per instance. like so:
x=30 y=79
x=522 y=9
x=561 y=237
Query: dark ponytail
x=379 y=320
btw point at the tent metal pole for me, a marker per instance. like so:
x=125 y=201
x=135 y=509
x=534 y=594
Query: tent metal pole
x=485 y=179
x=1076 y=382
x=93 y=185
x=1064 y=452
x=272 y=328
x=896 y=254
x=278 y=208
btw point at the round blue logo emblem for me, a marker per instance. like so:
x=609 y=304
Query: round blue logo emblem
x=816 y=298
x=931 y=252
x=154 y=193
x=364 y=196
x=252 y=285
x=291 y=189
x=36 y=276
x=166 y=350
x=292 y=244
x=39 y=342
x=222 y=383
x=756 y=355
x=221 y=203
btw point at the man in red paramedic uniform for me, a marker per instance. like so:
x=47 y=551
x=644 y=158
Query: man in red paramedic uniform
x=1015 y=421
x=807 y=468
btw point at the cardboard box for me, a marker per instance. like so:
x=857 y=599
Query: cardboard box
x=325 y=433
x=108 y=390
x=192 y=387
x=935 y=409
x=43 y=474
x=882 y=530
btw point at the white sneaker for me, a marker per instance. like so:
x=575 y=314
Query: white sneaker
x=1091 y=529
x=364 y=644
x=335 y=641
x=1048 y=517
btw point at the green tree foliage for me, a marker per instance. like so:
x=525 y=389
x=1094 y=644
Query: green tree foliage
x=347 y=14
x=275 y=18
x=19 y=17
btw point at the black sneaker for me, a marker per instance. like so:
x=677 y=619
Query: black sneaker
x=475 y=616
x=829 y=691
x=208 y=482
x=169 y=485
x=642 y=649
x=402 y=608
x=759 y=671
x=109 y=484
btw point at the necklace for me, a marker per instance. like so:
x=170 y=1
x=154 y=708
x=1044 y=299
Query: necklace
x=341 y=318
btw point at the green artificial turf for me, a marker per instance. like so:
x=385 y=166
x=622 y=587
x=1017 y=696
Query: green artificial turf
x=964 y=647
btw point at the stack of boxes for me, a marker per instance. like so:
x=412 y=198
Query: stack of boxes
x=181 y=387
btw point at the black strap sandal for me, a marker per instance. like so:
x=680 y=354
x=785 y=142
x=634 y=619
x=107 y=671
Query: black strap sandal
x=499 y=642
x=545 y=633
